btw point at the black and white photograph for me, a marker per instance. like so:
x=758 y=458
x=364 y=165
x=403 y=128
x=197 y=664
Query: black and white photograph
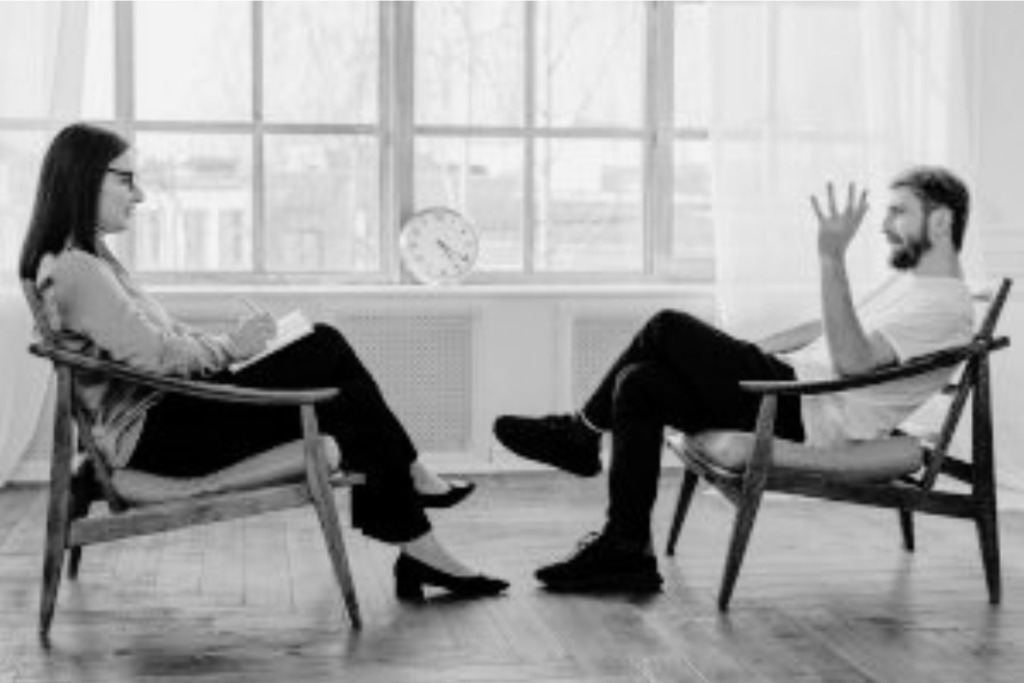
x=511 y=341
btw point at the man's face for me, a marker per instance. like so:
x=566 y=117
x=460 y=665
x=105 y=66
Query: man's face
x=906 y=229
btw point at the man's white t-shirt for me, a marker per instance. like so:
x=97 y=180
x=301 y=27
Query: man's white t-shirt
x=916 y=315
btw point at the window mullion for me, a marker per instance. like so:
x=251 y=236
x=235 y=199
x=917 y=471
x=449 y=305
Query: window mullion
x=388 y=200
x=398 y=137
x=529 y=138
x=259 y=225
x=124 y=93
x=658 y=138
x=124 y=64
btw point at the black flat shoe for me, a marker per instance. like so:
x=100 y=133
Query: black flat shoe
x=457 y=492
x=411 y=576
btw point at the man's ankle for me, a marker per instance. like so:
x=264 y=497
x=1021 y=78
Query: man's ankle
x=582 y=419
x=631 y=544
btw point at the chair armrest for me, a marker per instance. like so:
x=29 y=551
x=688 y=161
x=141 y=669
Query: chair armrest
x=946 y=358
x=211 y=391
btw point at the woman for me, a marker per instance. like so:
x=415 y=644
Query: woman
x=86 y=192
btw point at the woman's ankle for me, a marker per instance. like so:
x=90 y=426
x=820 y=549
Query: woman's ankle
x=426 y=481
x=428 y=550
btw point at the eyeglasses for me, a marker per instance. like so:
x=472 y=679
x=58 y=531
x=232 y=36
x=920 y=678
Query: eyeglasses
x=127 y=176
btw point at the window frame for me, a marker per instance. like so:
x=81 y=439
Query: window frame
x=656 y=134
x=396 y=134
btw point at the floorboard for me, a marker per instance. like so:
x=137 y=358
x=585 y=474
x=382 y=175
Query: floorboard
x=826 y=594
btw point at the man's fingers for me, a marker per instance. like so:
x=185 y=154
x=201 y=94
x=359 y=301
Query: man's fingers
x=856 y=204
x=817 y=208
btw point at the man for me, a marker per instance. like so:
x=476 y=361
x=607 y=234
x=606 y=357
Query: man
x=681 y=372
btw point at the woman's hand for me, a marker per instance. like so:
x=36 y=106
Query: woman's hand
x=251 y=335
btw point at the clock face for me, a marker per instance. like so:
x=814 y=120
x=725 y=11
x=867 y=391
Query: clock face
x=439 y=246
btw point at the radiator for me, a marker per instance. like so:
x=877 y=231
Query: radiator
x=596 y=340
x=424 y=366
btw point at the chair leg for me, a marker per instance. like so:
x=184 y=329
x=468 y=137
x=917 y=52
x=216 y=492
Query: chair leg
x=58 y=517
x=57 y=525
x=907 y=529
x=318 y=480
x=53 y=558
x=987 y=515
x=746 y=513
x=323 y=501
x=686 y=490
x=74 y=560
x=988 y=535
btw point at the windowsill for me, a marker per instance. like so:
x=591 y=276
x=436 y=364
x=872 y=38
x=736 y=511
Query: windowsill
x=440 y=291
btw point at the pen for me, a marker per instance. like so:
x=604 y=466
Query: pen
x=253 y=308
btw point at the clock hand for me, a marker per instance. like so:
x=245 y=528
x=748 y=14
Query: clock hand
x=452 y=255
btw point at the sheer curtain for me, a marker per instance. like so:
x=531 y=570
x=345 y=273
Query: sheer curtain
x=809 y=92
x=803 y=93
x=42 y=57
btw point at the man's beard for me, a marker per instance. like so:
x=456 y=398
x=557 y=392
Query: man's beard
x=906 y=255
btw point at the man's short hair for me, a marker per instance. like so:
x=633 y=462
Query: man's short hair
x=936 y=186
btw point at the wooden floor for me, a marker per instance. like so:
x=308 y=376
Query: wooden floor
x=826 y=595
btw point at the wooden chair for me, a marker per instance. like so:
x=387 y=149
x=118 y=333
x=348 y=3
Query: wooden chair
x=141 y=504
x=907 y=484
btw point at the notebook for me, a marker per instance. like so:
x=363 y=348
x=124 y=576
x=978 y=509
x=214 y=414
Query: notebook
x=290 y=328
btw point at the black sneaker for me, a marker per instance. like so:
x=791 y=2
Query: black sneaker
x=599 y=565
x=560 y=441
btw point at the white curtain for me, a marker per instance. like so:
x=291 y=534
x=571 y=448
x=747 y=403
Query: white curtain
x=24 y=380
x=809 y=92
x=804 y=93
x=42 y=57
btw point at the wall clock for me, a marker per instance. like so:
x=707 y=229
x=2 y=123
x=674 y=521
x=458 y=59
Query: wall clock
x=439 y=246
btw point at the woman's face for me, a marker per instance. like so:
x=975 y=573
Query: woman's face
x=118 y=195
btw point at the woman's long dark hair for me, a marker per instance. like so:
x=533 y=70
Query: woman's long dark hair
x=67 y=198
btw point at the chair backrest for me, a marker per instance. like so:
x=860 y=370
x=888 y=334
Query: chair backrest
x=36 y=306
x=973 y=380
x=995 y=310
x=51 y=337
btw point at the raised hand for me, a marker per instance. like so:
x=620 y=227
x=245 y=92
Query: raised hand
x=836 y=228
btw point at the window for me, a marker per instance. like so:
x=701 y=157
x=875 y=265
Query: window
x=287 y=141
x=528 y=119
x=186 y=177
x=266 y=113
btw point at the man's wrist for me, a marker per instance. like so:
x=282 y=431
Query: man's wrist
x=832 y=261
